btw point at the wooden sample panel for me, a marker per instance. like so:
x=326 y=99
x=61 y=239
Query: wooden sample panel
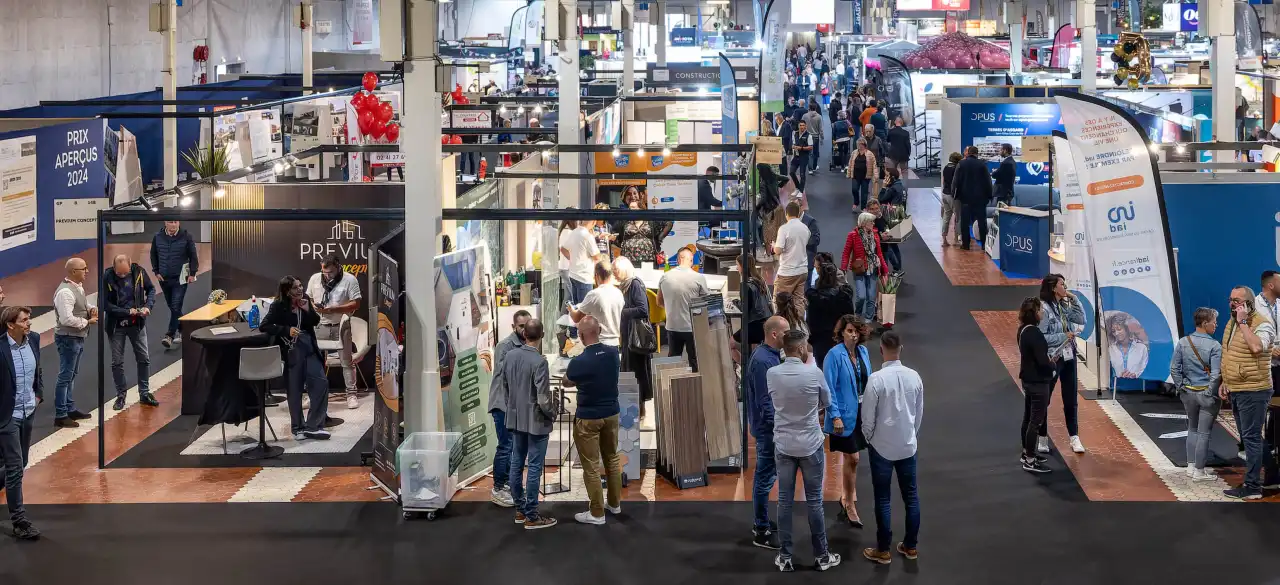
x=719 y=384
x=688 y=449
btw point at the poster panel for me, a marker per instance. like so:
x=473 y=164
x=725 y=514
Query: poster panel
x=988 y=126
x=464 y=310
x=1079 y=271
x=388 y=374
x=18 y=191
x=1127 y=230
x=728 y=120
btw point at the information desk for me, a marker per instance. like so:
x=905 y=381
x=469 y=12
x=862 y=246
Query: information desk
x=194 y=392
x=229 y=399
x=1024 y=242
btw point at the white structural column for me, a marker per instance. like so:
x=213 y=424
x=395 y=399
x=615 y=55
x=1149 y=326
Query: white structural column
x=569 y=131
x=306 y=23
x=421 y=144
x=629 y=50
x=658 y=18
x=170 y=125
x=1013 y=17
x=1217 y=19
x=1087 y=20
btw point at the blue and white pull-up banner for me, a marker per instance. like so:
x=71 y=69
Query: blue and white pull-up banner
x=1128 y=233
x=1079 y=265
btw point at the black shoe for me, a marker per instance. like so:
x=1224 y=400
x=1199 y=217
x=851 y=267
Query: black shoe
x=25 y=531
x=965 y=248
x=330 y=422
x=77 y=415
x=783 y=564
x=119 y=405
x=1243 y=493
x=273 y=400
x=65 y=423
x=767 y=538
x=1034 y=466
x=148 y=399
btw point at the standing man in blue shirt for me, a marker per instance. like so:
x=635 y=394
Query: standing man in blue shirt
x=595 y=429
x=21 y=390
x=892 y=409
x=766 y=356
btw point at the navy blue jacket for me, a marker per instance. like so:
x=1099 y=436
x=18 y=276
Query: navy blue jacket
x=116 y=302
x=9 y=378
x=169 y=253
x=758 y=399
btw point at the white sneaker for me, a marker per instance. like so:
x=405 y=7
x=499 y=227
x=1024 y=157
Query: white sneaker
x=1076 y=445
x=299 y=437
x=1200 y=475
x=352 y=402
x=1042 y=445
x=614 y=510
x=502 y=498
x=587 y=518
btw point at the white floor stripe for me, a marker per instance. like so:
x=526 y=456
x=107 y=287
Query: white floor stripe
x=275 y=484
x=1182 y=486
x=45 y=323
x=63 y=437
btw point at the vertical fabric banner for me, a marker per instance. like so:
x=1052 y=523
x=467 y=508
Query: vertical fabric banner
x=1079 y=271
x=1128 y=233
x=895 y=89
x=728 y=120
x=857 y=16
x=1248 y=37
x=772 y=58
x=464 y=312
x=758 y=19
x=387 y=375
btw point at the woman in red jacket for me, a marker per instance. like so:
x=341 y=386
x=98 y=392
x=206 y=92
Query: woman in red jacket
x=864 y=261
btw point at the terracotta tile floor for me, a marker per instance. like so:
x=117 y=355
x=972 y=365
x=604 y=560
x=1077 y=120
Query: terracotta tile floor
x=963 y=268
x=35 y=287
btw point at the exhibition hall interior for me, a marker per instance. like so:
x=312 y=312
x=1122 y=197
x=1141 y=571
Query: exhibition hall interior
x=564 y=291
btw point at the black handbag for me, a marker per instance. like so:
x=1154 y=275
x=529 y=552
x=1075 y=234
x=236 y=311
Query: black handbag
x=641 y=338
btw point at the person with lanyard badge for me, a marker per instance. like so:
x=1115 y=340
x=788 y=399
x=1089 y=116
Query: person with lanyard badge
x=291 y=322
x=1196 y=365
x=1060 y=320
x=1246 y=382
x=802 y=146
x=847 y=367
x=339 y=294
x=1128 y=353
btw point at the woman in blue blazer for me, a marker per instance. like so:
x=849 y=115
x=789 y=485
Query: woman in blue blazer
x=846 y=369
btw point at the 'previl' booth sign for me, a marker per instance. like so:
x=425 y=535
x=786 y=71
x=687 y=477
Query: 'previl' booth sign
x=1128 y=233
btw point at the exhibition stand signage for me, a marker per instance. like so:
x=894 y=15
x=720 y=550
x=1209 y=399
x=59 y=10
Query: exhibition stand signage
x=1079 y=271
x=989 y=125
x=662 y=193
x=465 y=337
x=772 y=58
x=387 y=373
x=1127 y=230
x=1024 y=245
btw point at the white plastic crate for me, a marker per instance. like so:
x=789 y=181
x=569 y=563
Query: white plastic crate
x=426 y=482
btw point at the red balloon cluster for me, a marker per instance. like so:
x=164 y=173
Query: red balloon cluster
x=373 y=116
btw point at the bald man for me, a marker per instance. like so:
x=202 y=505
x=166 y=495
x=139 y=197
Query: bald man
x=595 y=430
x=128 y=296
x=74 y=316
x=766 y=356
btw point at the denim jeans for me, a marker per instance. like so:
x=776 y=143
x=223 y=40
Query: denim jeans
x=577 y=292
x=811 y=469
x=69 y=349
x=15 y=441
x=1250 y=413
x=137 y=337
x=174 y=292
x=861 y=191
x=766 y=474
x=1065 y=372
x=501 y=455
x=1202 y=409
x=815 y=154
x=893 y=256
x=864 y=295
x=525 y=491
x=882 y=471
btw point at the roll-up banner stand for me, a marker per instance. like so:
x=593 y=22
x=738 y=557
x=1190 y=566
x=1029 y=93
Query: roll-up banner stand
x=1128 y=233
x=388 y=373
x=1079 y=264
x=464 y=313
x=728 y=121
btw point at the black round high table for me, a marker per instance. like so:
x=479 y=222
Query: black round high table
x=232 y=400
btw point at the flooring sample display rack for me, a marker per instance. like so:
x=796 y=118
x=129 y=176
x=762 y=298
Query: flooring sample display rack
x=682 y=450
x=719 y=384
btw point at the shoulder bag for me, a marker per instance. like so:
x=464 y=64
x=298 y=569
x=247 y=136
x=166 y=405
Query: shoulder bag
x=641 y=338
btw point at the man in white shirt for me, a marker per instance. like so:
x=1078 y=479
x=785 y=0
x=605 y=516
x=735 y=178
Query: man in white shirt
x=676 y=292
x=336 y=293
x=892 y=409
x=579 y=249
x=793 y=261
x=74 y=315
x=605 y=303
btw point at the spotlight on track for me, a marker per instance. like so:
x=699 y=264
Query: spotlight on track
x=666 y=152
x=185 y=201
x=640 y=151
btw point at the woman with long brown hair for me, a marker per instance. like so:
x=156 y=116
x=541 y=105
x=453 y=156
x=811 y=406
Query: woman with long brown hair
x=846 y=369
x=639 y=241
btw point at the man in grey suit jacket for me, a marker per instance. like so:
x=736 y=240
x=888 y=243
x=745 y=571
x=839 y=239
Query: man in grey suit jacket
x=21 y=390
x=501 y=492
x=531 y=412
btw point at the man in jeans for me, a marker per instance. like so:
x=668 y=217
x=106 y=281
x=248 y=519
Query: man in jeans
x=799 y=392
x=676 y=292
x=766 y=356
x=174 y=262
x=595 y=430
x=892 y=409
x=336 y=293
x=21 y=391
x=74 y=315
x=1246 y=382
x=531 y=412
x=501 y=492
x=128 y=295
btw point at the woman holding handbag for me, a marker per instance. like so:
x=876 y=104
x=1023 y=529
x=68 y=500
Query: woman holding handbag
x=864 y=261
x=638 y=339
x=1196 y=370
x=846 y=369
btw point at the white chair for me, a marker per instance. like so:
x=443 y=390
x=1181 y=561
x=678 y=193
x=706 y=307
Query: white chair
x=359 y=338
x=261 y=364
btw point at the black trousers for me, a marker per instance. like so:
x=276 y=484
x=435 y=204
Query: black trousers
x=970 y=214
x=1066 y=374
x=1035 y=411
x=639 y=364
x=680 y=341
x=800 y=163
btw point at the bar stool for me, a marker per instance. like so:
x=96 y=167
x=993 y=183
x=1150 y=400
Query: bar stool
x=260 y=364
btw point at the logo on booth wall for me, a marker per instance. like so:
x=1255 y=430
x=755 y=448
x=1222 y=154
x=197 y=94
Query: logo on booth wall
x=1119 y=217
x=1191 y=16
x=1278 y=238
x=983 y=116
x=1019 y=243
x=346 y=241
x=1035 y=168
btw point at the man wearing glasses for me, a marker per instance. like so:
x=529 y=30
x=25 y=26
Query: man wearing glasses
x=75 y=315
x=1246 y=382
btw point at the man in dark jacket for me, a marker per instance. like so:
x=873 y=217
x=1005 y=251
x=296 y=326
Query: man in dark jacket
x=127 y=298
x=760 y=406
x=810 y=247
x=1006 y=174
x=880 y=123
x=174 y=262
x=707 y=199
x=972 y=186
x=21 y=391
x=899 y=140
